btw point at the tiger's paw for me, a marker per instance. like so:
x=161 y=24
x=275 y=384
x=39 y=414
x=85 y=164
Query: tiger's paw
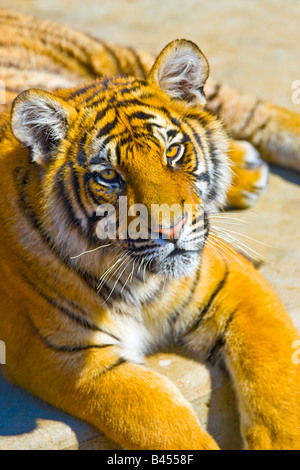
x=260 y=438
x=250 y=175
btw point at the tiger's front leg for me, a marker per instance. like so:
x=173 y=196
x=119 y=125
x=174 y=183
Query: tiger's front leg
x=243 y=320
x=135 y=407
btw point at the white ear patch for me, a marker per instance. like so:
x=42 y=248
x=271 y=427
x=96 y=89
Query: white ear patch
x=181 y=70
x=39 y=121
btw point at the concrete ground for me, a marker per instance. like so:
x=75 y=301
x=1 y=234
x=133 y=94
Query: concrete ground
x=255 y=46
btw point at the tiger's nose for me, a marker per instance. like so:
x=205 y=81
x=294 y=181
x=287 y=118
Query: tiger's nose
x=171 y=233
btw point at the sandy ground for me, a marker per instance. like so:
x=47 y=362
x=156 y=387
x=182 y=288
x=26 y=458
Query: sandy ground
x=255 y=46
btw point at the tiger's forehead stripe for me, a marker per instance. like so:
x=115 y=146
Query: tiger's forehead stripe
x=126 y=110
x=113 y=118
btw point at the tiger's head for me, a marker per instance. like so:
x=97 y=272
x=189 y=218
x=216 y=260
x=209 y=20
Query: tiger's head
x=147 y=142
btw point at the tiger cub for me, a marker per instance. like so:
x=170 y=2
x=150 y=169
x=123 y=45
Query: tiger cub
x=83 y=305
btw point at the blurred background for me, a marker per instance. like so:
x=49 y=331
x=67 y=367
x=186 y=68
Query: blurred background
x=253 y=45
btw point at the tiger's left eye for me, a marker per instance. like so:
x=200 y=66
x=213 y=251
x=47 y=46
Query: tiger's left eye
x=108 y=174
x=173 y=153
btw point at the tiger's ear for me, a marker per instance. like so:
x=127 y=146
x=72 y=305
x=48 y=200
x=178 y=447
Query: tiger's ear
x=181 y=70
x=40 y=120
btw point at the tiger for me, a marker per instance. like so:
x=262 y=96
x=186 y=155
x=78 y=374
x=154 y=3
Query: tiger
x=80 y=312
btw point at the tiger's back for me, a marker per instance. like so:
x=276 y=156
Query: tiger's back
x=40 y=54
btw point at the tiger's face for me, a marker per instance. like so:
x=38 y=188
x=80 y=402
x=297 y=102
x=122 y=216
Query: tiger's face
x=134 y=166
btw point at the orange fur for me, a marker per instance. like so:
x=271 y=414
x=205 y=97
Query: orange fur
x=84 y=352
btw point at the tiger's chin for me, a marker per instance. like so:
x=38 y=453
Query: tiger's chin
x=177 y=264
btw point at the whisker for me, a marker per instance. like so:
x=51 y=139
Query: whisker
x=225 y=248
x=227 y=222
x=90 y=251
x=117 y=280
x=245 y=249
x=129 y=276
x=222 y=217
x=246 y=236
x=203 y=269
x=109 y=269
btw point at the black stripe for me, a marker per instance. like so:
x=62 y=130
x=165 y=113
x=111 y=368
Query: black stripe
x=96 y=199
x=259 y=129
x=187 y=301
x=12 y=90
x=107 y=128
x=213 y=353
x=142 y=115
x=76 y=190
x=97 y=160
x=112 y=53
x=73 y=316
x=228 y=322
x=214 y=92
x=205 y=123
x=118 y=153
x=71 y=349
x=88 y=99
x=213 y=151
x=139 y=63
x=81 y=156
x=68 y=349
x=64 y=196
x=199 y=142
x=250 y=116
x=121 y=144
x=149 y=126
x=203 y=176
x=130 y=101
x=68 y=50
x=206 y=308
x=131 y=90
x=83 y=90
x=102 y=113
x=213 y=190
x=64 y=299
x=113 y=366
x=52 y=69
x=172 y=133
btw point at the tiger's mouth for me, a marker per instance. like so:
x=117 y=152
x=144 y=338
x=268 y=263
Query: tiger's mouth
x=170 y=258
x=176 y=263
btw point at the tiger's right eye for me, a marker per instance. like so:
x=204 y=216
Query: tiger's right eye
x=108 y=176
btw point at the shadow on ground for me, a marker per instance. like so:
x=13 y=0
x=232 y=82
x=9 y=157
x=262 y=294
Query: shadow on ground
x=27 y=421
x=22 y=414
x=289 y=175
